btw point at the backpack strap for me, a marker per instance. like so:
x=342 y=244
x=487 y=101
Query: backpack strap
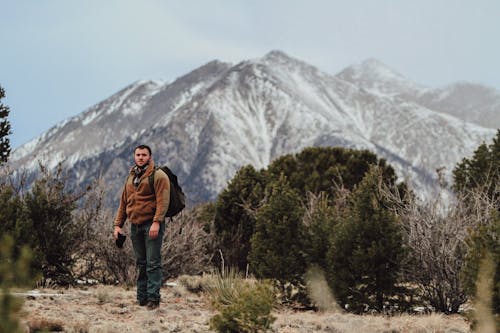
x=151 y=179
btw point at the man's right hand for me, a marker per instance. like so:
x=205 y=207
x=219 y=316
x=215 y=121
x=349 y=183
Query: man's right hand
x=117 y=231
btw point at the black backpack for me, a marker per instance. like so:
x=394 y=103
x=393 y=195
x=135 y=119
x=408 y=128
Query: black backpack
x=177 y=196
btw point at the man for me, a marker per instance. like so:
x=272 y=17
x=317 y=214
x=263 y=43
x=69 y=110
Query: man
x=145 y=209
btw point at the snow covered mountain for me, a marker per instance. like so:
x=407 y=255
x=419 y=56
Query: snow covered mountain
x=209 y=123
x=473 y=103
x=470 y=102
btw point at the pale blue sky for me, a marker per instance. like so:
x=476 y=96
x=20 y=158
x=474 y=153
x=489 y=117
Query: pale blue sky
x=59 y=57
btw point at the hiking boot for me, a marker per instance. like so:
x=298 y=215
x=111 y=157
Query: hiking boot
x=143 y=302
x=153 y=305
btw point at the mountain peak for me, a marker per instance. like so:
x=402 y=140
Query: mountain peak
x=276 y=54
x=377 y=77
x=284 y=65
x=374 y=69
x=373 y=62
x=277 y=57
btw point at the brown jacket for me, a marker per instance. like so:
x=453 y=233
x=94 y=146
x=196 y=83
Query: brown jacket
x=140 y=204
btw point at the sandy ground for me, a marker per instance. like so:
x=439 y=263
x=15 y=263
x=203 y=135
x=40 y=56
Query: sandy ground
x=111 y=309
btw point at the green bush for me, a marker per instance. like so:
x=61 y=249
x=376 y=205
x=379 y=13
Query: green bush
x=14 y=272
x=233 y=222
x=320 y=219
x=476 y=180
x=481 y=171
x=50 y=225
x=244 y=305
x=367 y=251
x=315 y=170
x=44 y=219
x=277 y=244
x=11 y=213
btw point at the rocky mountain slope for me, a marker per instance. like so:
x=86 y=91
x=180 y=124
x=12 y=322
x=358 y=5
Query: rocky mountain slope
x=219 y=117
x=470 y=102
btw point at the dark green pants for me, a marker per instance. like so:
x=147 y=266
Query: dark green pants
x=148 y=260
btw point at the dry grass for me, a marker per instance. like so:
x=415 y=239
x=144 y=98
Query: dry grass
x=112 y=309
x=109 y=309
x=289 y=322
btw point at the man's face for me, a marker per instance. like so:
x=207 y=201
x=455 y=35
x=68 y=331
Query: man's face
x=141 y=156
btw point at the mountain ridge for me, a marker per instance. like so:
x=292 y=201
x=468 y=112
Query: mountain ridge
x=217 y=118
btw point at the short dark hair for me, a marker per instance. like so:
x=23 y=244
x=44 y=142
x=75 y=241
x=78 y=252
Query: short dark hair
x=144 y=147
